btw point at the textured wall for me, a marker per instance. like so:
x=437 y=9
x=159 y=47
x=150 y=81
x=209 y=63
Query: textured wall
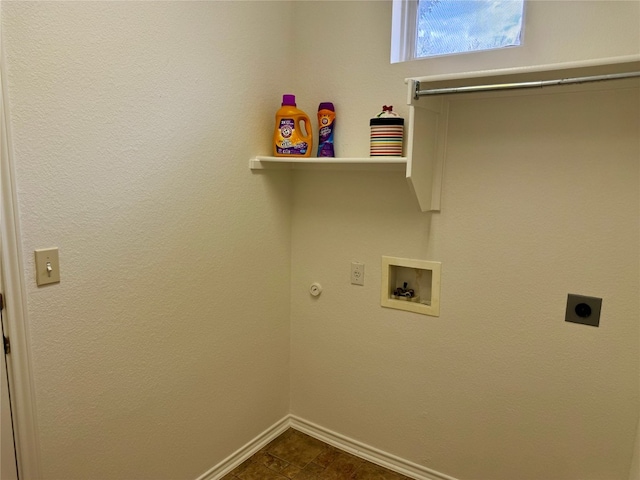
x=166 y=345
x=540 y=198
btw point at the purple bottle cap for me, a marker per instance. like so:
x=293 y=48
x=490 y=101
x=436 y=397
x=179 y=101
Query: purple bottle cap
x=289 y=100
x=326 y=106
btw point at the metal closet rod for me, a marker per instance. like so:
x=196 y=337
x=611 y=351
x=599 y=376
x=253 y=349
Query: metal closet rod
x=513 y=86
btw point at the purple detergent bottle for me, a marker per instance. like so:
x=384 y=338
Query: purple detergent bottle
x=326 y=124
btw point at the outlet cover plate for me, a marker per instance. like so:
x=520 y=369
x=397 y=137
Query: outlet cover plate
x=357 y=273
x=584 y=310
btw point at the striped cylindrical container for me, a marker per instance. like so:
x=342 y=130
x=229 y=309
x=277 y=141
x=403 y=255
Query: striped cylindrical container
x=387 y=134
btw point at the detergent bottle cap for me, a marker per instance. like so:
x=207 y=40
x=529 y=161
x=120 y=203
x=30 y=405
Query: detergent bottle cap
x=326 y=106
x=289 y=100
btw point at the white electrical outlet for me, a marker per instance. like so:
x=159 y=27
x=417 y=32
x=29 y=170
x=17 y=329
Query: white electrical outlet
x=357 y=273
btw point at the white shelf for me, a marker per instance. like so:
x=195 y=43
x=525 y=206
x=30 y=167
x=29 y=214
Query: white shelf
x=264 y=162
x=425 y=142
x=426 y=128
x=611 y=65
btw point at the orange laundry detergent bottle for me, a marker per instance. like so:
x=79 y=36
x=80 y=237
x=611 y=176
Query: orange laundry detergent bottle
x=289 y=137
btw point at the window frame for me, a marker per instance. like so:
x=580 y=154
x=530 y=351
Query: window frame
x=404 y=33
x=404 y=29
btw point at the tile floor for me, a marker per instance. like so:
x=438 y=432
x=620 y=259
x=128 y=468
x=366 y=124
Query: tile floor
x=294 y=455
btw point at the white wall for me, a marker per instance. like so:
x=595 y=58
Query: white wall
x=540 y=199
x=166 y=345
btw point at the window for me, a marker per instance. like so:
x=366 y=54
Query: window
x=429 y=28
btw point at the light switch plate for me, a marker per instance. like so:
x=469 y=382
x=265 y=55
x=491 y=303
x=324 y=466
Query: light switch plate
x=47 y=266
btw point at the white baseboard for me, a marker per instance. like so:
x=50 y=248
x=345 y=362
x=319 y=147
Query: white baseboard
x=243 y=453
x=367 y=452
x=337 y=440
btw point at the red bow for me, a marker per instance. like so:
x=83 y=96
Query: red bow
x=387 y=109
